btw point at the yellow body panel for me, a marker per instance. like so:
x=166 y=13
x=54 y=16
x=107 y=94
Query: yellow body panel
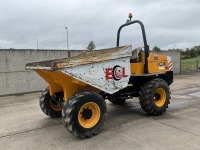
x=137 y=68
x=59 y=81
x=157 y=63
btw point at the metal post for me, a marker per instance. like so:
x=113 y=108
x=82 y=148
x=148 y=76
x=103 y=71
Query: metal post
x=67 y=38
x=37 y=45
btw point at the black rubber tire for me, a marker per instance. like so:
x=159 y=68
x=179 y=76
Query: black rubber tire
x=72 y=108
x=46 y=106
x=147 y=94
x=117 y=101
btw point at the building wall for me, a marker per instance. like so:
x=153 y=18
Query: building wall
x=15 y=79
x=176 y=60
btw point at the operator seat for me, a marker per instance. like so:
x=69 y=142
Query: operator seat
x=136 y=55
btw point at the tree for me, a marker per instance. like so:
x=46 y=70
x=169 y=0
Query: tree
x=91 y=46
x=192 y=52
x=175 y=50
x=187 y=51
x=197 y=49
x=156 y=49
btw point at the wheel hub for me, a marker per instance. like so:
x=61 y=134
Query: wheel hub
x=160 y=97
x=157 y=97
x=87 y=113
x=55 y=105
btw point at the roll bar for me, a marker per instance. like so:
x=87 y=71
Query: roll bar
x=146 y=46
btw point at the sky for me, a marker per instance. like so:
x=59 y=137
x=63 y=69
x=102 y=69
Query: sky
x=169 y=24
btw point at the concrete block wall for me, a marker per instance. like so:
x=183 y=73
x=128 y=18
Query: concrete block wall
x=176 y=60
x=15 y=79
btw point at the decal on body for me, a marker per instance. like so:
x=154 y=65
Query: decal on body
x=115 y=73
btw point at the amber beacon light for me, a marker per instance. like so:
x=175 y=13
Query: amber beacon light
x=130 y=15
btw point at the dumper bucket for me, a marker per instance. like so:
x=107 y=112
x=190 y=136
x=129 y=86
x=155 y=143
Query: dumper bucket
x=105 y=70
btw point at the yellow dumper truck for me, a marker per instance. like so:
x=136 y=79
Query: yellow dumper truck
x=78 y=86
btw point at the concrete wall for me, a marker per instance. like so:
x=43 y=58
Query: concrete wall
x=15 y=79
x=13 y=76
x=176 y=60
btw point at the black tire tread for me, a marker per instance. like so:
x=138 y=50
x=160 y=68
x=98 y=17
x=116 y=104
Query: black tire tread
x=69 y=111
x=145 y=97
x=45 y=105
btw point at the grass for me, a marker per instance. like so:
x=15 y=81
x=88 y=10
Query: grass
x=190 y=64
x=191 y=59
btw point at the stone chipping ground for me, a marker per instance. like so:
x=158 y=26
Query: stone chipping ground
x=23 y=126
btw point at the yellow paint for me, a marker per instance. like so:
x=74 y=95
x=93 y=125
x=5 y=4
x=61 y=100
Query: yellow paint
x=137 y=68
x=95 y=116
x=160 y=101
x=59 y=81
x=160 y=57
x=53 y=83
x=158 y=65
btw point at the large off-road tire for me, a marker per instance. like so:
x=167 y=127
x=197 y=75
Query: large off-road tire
x=154 y=97
x=117 y=101
x=48 y=105
x=84 y=114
